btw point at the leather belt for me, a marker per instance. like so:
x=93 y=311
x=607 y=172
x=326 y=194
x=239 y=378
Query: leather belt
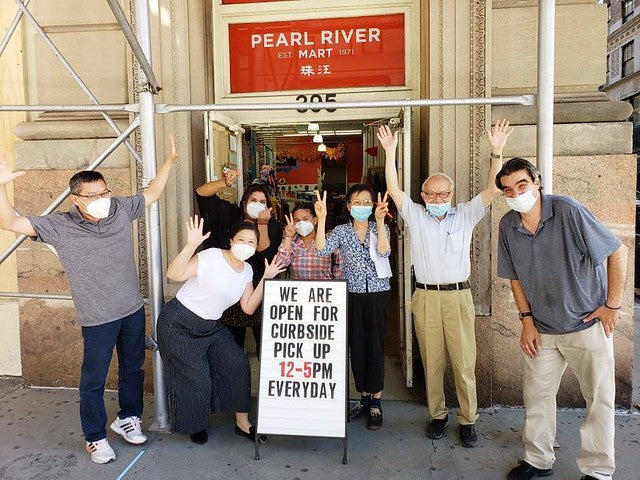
x=444 y=286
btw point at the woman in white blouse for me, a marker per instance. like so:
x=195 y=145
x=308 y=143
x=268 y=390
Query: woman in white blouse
x=205 y=369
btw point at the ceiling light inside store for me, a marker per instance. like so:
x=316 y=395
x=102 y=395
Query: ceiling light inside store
x=313 y=127
x=317 y=138
x=322 y=147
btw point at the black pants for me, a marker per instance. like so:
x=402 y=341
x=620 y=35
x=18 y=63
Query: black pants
x=205 y=370
x=368 y=313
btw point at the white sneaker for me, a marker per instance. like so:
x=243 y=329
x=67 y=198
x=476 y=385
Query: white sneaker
x=130 y=429
x=101 y=451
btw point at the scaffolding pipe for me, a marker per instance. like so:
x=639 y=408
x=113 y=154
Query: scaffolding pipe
x=63 y=196
x=162 y=108
x=154 y=253
x=424 y=102
x=546 y=58
x=127 y=107
x=152 y=83
x=72 y=72
x=12 y=28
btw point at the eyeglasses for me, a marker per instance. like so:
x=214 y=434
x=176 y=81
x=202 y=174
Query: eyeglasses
x=94 y=196
x=441 y=195
x=362 y=203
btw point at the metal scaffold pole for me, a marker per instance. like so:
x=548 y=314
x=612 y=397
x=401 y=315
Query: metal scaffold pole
x=154 y=252
x=546 y=58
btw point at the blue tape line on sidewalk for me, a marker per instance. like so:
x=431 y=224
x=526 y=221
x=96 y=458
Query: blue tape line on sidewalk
x=130 y=465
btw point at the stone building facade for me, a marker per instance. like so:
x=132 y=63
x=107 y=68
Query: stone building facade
x=464 y=48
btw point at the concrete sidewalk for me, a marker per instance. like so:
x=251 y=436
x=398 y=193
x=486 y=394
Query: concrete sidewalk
x=40 y=438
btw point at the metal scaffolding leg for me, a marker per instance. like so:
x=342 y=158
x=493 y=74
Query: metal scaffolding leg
x=135 y=46
x=72 y=72
x=546 y=58
x=12 y=28
x=149 y=168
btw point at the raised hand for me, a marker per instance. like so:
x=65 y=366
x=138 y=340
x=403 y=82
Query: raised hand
x=321 y=205
x=273 y=269
x=6 y=175
x=264 y=216
x=498 y=135
x=173 y=154
x=382 y=207
x=194 y=231
x=387 y=139
x=230 y=176
x=290 y=227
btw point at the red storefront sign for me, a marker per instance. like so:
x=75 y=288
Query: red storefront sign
x=317 y=54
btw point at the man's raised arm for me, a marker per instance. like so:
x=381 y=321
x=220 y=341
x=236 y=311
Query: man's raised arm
x=389 y=142
x=9 y=219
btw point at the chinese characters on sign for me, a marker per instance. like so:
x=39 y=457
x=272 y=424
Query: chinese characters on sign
x=317 y=54
x=303 y=363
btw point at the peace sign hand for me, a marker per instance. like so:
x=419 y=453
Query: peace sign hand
x=321 y=205
x=382 y=207
x=194 y=231
x=290 y=227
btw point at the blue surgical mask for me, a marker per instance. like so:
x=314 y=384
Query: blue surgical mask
x=361 y=213
x=438 y=209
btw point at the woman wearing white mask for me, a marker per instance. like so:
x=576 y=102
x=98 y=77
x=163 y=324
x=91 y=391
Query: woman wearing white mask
x=364 y=248
x=298 y=248
x=206 y=371
x=219 y=217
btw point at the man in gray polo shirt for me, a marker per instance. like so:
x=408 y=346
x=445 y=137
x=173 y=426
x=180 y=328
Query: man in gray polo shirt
x=93 y=242
x=553 y=249
x=442 y=305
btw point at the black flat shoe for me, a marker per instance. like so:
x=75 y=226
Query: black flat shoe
x=250 y=434
x=526 y=471
x=200 y=437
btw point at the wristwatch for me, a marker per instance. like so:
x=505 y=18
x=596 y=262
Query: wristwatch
x=524 y=315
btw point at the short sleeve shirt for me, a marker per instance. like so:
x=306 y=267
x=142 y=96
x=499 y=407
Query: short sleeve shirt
x=560 y=267
x=97 y=258
x=440 y=250
x=215 y=287
x=358 y=268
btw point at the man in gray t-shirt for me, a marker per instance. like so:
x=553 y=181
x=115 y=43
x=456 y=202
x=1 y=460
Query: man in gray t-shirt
x=553 y=249
x=93 y=242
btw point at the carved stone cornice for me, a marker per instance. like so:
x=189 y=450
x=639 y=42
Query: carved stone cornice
x=624 y=34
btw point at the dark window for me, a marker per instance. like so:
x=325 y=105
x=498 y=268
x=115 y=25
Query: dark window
x=627 y=59
x=635 y=103
x=627 y=10
x=608 y=73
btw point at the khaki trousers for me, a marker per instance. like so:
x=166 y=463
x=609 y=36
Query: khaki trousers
x=445 y=322
x=590 y=354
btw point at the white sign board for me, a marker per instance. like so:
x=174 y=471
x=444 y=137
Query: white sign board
x=303 y=361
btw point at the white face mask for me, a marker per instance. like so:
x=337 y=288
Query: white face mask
x=242 y=251
x=304 y=228
x=523 y=203
x=99 y=208
x=254 y=209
